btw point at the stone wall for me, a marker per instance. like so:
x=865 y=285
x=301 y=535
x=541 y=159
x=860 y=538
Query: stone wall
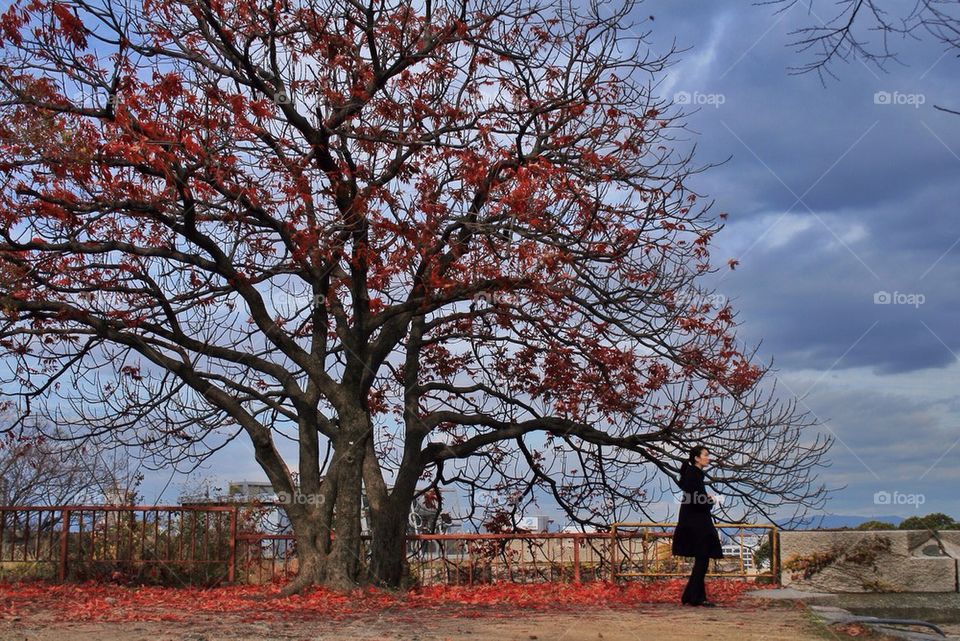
x=870 y=561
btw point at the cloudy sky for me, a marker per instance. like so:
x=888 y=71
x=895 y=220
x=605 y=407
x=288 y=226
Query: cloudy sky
x=837 y=192
x=839 y=195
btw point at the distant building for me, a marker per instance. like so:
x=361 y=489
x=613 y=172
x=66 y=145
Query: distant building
x=252 y=490
x=538 y=523
x=734 y=551
x=744 y=547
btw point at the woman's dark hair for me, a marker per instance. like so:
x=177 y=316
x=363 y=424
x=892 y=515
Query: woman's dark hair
x=695 y=451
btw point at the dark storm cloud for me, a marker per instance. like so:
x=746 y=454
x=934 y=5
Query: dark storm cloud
x=816 y=305
x=835 y=192
x=840 y=196
x=897 y=439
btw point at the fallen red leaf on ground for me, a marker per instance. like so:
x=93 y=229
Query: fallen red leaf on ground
x=110 y=602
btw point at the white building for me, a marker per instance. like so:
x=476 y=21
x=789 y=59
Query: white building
x=535 y=523
x=733 y=550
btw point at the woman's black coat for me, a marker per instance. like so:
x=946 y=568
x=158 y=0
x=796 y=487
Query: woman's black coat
x=695 y=534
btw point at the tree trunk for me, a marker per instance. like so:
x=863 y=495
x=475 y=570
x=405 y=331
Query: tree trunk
x=342 y=568
x=310 y=564
x=330 y=561
x=388 y=549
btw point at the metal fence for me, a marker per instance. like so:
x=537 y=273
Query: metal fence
x=162 y=544
x=215 y=544
x=644 y=550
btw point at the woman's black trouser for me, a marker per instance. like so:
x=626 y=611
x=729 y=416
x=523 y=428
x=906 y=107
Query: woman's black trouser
x=696 y=591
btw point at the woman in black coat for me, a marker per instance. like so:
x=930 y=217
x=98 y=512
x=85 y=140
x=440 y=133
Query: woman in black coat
x=695 y=534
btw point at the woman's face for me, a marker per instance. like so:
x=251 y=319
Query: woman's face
x=704 y=459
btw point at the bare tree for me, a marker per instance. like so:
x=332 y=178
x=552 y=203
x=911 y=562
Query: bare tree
x=40 y=468
x=844 y=35
x=428 y=243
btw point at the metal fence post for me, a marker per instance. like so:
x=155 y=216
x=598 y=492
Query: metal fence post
x=232 y=560
x=64 y=533
x=774 y=555
x=613 y=553
x=576 y=559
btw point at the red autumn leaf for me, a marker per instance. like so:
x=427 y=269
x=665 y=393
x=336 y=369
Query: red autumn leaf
x=70 y=25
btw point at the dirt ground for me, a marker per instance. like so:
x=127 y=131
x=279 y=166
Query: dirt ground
x=742 y=622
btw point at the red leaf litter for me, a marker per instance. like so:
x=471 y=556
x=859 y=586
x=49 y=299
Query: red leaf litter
x=109 y=602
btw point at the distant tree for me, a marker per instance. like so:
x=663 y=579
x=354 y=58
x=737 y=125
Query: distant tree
x=876 y=525
x=42 y=467
x=763 y=553
x=935 y=521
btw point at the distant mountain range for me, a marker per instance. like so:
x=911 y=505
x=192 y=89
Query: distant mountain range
x=832 y=521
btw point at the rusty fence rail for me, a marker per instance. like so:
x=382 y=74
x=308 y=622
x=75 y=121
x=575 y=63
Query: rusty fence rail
x=240 y=543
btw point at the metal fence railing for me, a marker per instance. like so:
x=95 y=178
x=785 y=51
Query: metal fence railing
x=242 y=543
x=164 y=544
x=644 y=550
